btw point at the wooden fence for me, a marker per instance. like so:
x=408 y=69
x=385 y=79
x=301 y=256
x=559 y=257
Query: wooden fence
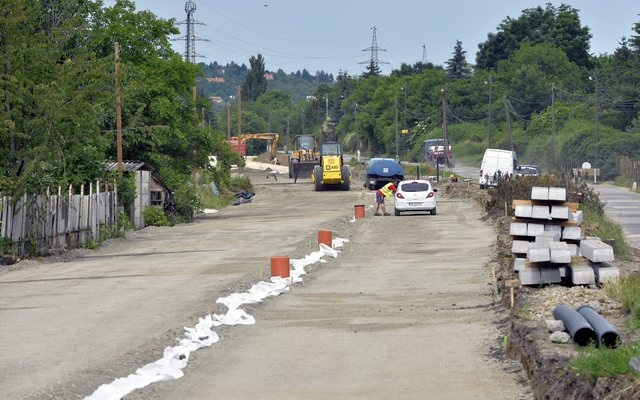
x=43 y=223
x=628 y=167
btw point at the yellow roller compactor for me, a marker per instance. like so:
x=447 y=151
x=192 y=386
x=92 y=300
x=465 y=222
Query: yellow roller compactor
x=332 y=172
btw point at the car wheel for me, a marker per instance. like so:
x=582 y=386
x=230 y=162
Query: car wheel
x=481 y=186
x=396 y=212
x=433 y=212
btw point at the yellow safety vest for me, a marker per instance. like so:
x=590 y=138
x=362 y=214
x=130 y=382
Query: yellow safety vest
x=386 y=190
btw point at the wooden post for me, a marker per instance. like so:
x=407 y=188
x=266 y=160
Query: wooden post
x=239 y=111
x=118 y=111
x=81 y=235
x=512 y=284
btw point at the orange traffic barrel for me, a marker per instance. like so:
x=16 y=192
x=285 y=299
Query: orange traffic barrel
x=359 y=209
x=280 y=266
x=325 y=237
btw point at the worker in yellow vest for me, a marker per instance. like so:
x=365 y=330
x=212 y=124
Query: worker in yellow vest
x=386 y=191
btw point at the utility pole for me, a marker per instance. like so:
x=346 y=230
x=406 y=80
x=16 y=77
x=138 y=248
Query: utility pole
x=228 y=120
x=203 y=117
x=118 y=110
x=397 y=144
x=302 y=120
x=404 y=112
x=269 y=129
x=595 y=79
x=357 y=135
x=326 y=107
x=445 y=126
x=490 y=82
x=508 y=117
x=239 y=94
x=288 y=133
x=553 y=124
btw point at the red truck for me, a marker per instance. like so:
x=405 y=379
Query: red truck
x=238 y=146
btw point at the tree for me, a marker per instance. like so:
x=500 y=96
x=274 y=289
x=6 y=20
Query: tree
x=255 y=82
x=558 y=26
x=372 y=70
x=457 y=66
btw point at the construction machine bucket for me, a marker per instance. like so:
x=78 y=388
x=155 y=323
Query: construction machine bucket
x=302 y=170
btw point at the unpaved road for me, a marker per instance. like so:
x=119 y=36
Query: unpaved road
x=405 y=311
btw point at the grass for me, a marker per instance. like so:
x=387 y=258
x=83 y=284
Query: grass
x=623 y=181
x=626 y=291
x=604 y=362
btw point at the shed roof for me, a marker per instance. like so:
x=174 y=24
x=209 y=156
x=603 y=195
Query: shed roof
x=127 y=166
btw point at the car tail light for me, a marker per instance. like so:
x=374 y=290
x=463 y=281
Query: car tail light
x=399 y=195
x=430 y=195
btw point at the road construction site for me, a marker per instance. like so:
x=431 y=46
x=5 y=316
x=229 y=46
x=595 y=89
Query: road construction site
x=407 y=309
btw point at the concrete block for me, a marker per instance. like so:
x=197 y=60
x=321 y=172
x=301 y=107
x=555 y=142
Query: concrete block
x=605 y=272
x=523 y=211
x=534 y=229
x=571 y=233
x=520 y=246
x=582 y=275
x=529 y=276
x=518 y=229
x=557 y=229
x=546 y=237
x=540 y=212
x=558 y=194
x=574 y=249
x=539 y=193
x=596 y=251
x=550 y=275
x=519 y=263
x=559 y=253
x=538 y=253
x=560 y=212
x=576 y=217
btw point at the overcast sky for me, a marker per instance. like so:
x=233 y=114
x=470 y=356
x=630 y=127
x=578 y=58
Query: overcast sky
x=330 y=35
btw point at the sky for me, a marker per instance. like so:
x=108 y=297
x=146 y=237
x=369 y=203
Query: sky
x=330 y=35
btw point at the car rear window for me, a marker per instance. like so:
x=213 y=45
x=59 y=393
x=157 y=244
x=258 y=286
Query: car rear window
x=414 y=187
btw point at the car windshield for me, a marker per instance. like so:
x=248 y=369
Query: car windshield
x=414 y=187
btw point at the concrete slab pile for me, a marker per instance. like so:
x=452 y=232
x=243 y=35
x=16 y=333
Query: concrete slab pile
x=548 y=246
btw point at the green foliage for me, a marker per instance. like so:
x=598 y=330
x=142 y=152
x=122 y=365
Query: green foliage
x=187 y=201
x=457 y=66
x=626 y=291
x=559 y=27
x=153 y=216
x=604 y=362
x=255 y=82
x=126 y=190
x=240 y=184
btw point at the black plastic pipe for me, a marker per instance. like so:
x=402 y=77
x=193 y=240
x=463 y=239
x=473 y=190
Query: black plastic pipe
x=580 y=330
x=607 y=334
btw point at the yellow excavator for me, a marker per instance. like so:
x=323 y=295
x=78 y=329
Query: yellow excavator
x=271 y=137
x=304 y=156
x=332 y=172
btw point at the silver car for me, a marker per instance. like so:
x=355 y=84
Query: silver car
x=415 y=195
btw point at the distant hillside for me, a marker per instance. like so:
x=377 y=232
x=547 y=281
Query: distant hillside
x=220 y=82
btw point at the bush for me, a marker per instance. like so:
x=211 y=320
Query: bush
x=154 y=216
x=240 y=184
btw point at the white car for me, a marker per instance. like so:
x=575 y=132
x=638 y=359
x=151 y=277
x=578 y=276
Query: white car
x=415 y=195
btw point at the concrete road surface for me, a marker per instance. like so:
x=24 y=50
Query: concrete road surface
x=405 y=311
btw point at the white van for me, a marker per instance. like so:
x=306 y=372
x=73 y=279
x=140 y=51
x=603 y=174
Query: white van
x=496 y=163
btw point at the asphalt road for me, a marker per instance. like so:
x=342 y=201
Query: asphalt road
x=401 y=313
x=623 y=206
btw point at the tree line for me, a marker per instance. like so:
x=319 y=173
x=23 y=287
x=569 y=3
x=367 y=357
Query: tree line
x=58 y=122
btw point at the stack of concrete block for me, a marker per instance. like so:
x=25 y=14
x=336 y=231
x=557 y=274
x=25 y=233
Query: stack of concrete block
x=547 y=242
